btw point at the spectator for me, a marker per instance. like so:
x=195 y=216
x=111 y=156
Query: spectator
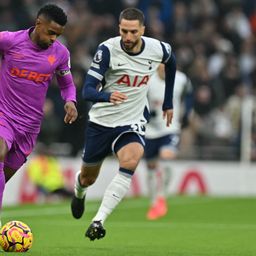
x=221 y=33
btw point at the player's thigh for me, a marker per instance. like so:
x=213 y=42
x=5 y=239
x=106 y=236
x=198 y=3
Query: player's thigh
x=7 y=135
x=169 y=148
x=21 y=148
x=130 y=155
x=97 y=144
x=129 y=149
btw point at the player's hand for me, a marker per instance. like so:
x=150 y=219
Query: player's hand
x=168 y=114
x=117 y=97
x=71 y=112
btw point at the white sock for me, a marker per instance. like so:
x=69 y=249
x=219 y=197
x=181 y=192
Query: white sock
x=80 y=191
x=165 y=177
x=152 y=184
x=114 y=193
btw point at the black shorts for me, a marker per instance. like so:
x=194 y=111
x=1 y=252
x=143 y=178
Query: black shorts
x=153 y=146
x=102 y=141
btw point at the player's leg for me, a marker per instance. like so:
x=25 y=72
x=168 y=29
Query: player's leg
x=152 y=179
x=167 y=153
x=129 y=157
x=153 y=188
x=6 y=139
x=151 y=157
x=84 y=178
x=163 y=180
x=23 y=144
x=158 y=177
x=97 y=147
x=129 y=150
x=8 y=173
x=3 y=152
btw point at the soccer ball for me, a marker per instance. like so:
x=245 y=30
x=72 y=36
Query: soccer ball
x=16 y=236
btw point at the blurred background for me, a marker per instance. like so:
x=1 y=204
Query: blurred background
x=215 y=44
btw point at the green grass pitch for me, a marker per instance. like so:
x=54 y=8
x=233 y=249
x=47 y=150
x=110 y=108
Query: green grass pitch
x=194 y=226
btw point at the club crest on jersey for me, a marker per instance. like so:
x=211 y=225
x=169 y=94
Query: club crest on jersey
x=167 y=47
x=51 y=59
x=98 y=56
x=135 y=81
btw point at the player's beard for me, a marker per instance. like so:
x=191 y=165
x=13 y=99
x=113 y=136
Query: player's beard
x=129 y=46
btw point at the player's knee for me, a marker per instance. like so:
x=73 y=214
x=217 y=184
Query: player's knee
x=168 y=155
x=87 y=181
x=129 y=163
x=90 y=181
x=151 y=165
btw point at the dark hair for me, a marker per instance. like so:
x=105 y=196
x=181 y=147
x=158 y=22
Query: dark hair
x=132 y=14
x=54 y=13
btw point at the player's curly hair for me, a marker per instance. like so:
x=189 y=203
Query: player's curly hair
x=132 y=14
x=54 y=13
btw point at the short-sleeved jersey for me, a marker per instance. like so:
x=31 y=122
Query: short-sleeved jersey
x=157 y=126
x=129 y=74
x=25 y=74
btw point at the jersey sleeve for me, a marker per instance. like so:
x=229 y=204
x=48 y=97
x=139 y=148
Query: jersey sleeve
x=95 y=76
x=64 y=66
x=6 y=39
x=65 y=79
x=100 y=63
x=189 y=86
x=189 y=99
x=170 y=72
x=167 y=52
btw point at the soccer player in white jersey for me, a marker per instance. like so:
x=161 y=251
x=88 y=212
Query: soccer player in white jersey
x=123 y=66
x=161 y=141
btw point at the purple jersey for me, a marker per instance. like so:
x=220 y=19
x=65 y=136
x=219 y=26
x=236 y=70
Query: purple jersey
x=25 y=74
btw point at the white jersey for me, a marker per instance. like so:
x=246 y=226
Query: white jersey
x=157 y=126
x=129 y=74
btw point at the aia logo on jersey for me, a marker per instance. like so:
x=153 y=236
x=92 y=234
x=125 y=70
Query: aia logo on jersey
x=135 y=81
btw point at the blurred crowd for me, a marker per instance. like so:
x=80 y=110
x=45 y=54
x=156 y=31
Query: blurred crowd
x=214 y=42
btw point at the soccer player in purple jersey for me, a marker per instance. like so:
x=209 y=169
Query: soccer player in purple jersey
x=123 y=66
x=30 y=58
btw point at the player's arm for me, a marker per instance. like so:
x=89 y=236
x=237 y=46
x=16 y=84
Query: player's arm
x=189 y=102
x=67 y=89
x=170 y=71
x=95 y=76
